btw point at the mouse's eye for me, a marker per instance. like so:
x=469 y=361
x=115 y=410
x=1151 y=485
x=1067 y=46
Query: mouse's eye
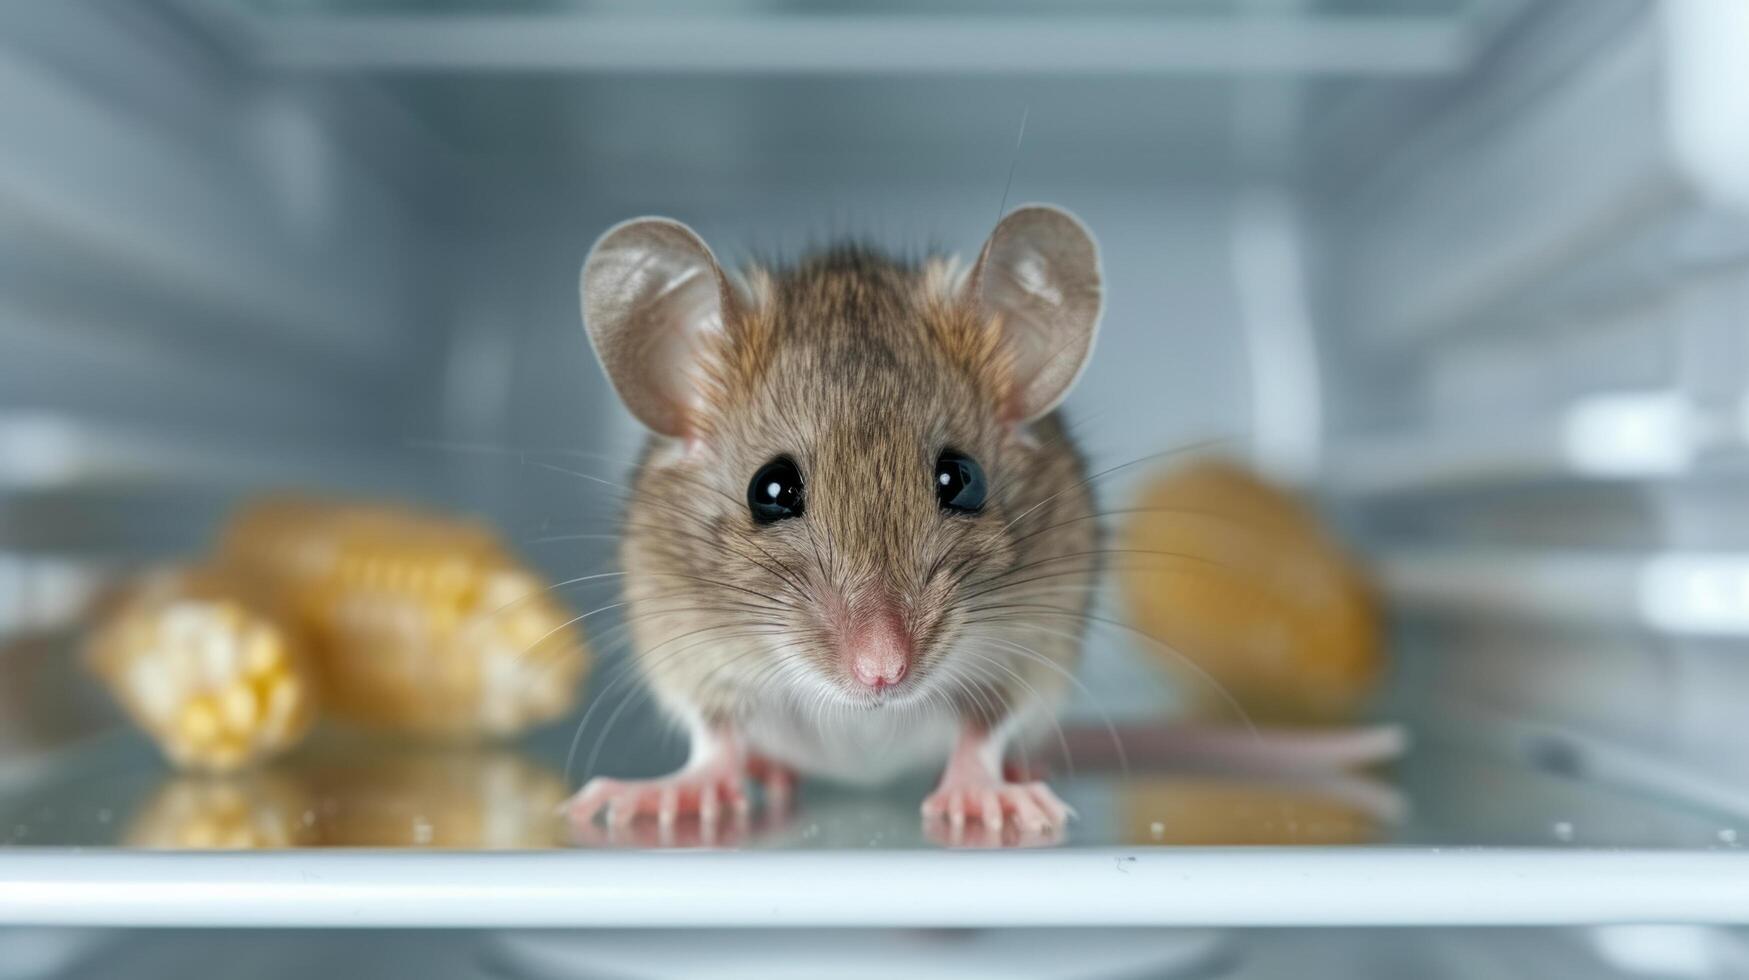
x=959 y=482
x=776 y=491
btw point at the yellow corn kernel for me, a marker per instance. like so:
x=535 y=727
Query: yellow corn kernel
x=200 y=724
x=241 y=709
x=418 y=623
x=188 y=653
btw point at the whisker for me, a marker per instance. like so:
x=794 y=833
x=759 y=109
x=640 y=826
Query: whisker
x=512 y=604
x=997 y=581
x=595 y=536
x=643 y=692
x=1108 y=471
x=1044 y=661
x=648 y=665
x=1227 y=519
x=485 y=449
x=1062 y=738
x=1214 y=684
x=625 y=668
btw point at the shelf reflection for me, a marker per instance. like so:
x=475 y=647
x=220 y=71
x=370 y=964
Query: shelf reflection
x=1203 y=810
x=115 y=792
x=470 y=798
x=498 y=798
x=1163 y=807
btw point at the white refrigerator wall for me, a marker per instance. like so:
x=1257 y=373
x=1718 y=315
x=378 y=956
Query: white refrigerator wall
x=1537 y=329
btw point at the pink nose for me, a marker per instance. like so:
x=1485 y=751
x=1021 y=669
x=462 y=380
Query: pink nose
x=879 y=651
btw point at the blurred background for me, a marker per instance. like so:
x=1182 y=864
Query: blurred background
x=1467 y=278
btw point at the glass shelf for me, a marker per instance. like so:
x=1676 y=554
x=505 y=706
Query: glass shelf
x=347 y=833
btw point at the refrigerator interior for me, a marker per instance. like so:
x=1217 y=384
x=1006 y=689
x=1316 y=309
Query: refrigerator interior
x=1471 y=274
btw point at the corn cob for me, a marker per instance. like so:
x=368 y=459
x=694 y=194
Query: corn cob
x=208 y=668
x=417 y=623
x=1243 y=581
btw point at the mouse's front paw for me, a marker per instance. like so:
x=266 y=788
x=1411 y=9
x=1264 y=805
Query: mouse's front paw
x=993 y=802
x=705 y=793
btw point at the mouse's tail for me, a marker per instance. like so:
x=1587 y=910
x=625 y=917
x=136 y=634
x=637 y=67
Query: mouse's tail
x=1212 y=748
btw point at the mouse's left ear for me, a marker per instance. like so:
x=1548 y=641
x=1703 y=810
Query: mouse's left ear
x=1038 y=278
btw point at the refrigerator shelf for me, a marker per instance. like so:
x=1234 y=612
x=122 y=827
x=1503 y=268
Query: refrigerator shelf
x=468 y=838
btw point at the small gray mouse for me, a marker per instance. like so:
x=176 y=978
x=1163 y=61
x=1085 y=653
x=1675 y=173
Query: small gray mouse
x=860 y=540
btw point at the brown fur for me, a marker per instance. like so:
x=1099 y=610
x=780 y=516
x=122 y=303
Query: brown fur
x=862 y=369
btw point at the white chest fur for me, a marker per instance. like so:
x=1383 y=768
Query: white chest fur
x=852 y=745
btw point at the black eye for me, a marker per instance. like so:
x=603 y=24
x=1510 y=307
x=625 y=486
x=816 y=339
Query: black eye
x=776 y=491
x=959 y=482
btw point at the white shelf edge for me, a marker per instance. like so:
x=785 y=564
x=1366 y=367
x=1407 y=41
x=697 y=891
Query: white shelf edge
x=1144 y=886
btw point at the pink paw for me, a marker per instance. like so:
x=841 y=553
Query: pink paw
x=706 y=793
x=1030 y=807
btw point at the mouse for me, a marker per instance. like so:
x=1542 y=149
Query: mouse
x=859 y=540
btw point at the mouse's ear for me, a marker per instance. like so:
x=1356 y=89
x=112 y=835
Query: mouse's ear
x=1038 y=279
x=653 y=297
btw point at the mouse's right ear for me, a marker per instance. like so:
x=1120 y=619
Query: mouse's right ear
x=1038 y=277
x=653 y=299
